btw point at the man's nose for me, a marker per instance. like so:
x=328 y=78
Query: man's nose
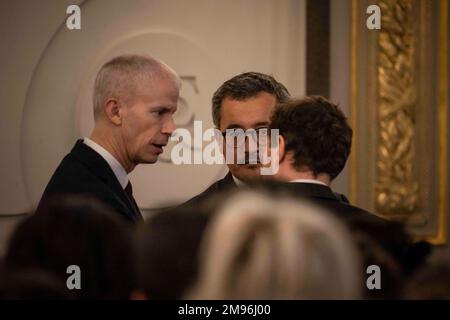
x=251 y=143
x=169 y=126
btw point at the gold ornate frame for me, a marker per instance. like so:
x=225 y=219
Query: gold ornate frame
x=390 y=82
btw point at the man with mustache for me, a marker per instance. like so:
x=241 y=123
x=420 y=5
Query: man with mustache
x=135 y=97
x=243 y=102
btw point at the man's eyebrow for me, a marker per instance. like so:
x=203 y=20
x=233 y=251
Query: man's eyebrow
x=264 y=123
x=258 y=124
x=163 y=108
x=233 y=126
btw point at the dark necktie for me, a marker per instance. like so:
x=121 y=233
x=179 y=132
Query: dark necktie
x=129 y=191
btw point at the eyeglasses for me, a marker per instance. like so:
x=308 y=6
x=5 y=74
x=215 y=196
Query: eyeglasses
x=236 y=137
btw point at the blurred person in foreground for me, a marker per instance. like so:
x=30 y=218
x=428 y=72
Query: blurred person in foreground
x=259 y=247
x=167 y=251
x=31 y=284
x=80 y=231
x=431 y=281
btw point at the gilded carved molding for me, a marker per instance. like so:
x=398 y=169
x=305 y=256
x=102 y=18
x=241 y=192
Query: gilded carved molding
x=399 y=102
x=396 y=187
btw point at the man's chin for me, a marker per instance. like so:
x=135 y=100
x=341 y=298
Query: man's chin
x=149 y=159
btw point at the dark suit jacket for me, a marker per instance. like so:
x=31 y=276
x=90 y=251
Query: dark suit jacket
x=326 y=198
x=223 y=185
x=227 y=184
x=84 y=171
x=392 y=236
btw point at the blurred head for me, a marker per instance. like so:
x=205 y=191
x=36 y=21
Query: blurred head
x=431 y=281
x=31 y=284
x=246 y=101
x=135 y=97
x=315 y=137
x=392 y=275
x=168 y=247
x=79 y=231
x=257 y=247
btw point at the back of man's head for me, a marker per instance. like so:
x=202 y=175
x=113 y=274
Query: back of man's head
x=316 y=133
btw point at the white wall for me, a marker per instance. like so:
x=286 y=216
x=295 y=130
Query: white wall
x=26 y=29
x=340 y=71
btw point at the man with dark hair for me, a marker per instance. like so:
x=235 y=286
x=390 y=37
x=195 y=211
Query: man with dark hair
x=244 y=102
x=314 y=144
x=315 y=140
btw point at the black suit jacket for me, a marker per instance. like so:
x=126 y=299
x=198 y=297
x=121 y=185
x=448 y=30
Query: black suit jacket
x=84 y=171
x=326 y=198
x=223 y=185
x=227 y=184
x=391 y=235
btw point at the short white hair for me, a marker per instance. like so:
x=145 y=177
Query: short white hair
x=261 y=248
x=122 y=77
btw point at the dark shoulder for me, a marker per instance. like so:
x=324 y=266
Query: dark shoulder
x=217 y=187
x=71 y=176
x=341 y=197
x=348 y=211
x=211 y=190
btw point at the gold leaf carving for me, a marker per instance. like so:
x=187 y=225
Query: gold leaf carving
x=396 y=190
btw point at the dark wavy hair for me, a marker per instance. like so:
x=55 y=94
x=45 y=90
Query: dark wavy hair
x=246 y=85
x=317 y=133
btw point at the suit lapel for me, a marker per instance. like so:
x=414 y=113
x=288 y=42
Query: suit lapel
x=227 y=182
x=100 y=168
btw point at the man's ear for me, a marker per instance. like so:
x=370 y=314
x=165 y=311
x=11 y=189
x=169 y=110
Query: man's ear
x=113 y=111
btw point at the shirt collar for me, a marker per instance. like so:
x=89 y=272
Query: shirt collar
x=115 y=165
x=309 y=181
x=238 y=182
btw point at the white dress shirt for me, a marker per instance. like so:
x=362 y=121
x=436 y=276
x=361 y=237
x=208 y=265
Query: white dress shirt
x=238 y=182
x=309 y=181
x=117 y=168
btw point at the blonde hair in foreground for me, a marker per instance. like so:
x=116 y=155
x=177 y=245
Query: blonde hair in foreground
x=261 y=248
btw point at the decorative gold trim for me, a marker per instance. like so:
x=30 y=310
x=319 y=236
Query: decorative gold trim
x=396 y=185
x=441 y=237
x=354 y=104
x=442 y=116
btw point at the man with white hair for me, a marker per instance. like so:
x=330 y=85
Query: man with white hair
x=135 y=97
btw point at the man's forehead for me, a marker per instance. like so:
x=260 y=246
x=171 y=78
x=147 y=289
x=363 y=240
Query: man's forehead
x=155 y=82
x=247 y=113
